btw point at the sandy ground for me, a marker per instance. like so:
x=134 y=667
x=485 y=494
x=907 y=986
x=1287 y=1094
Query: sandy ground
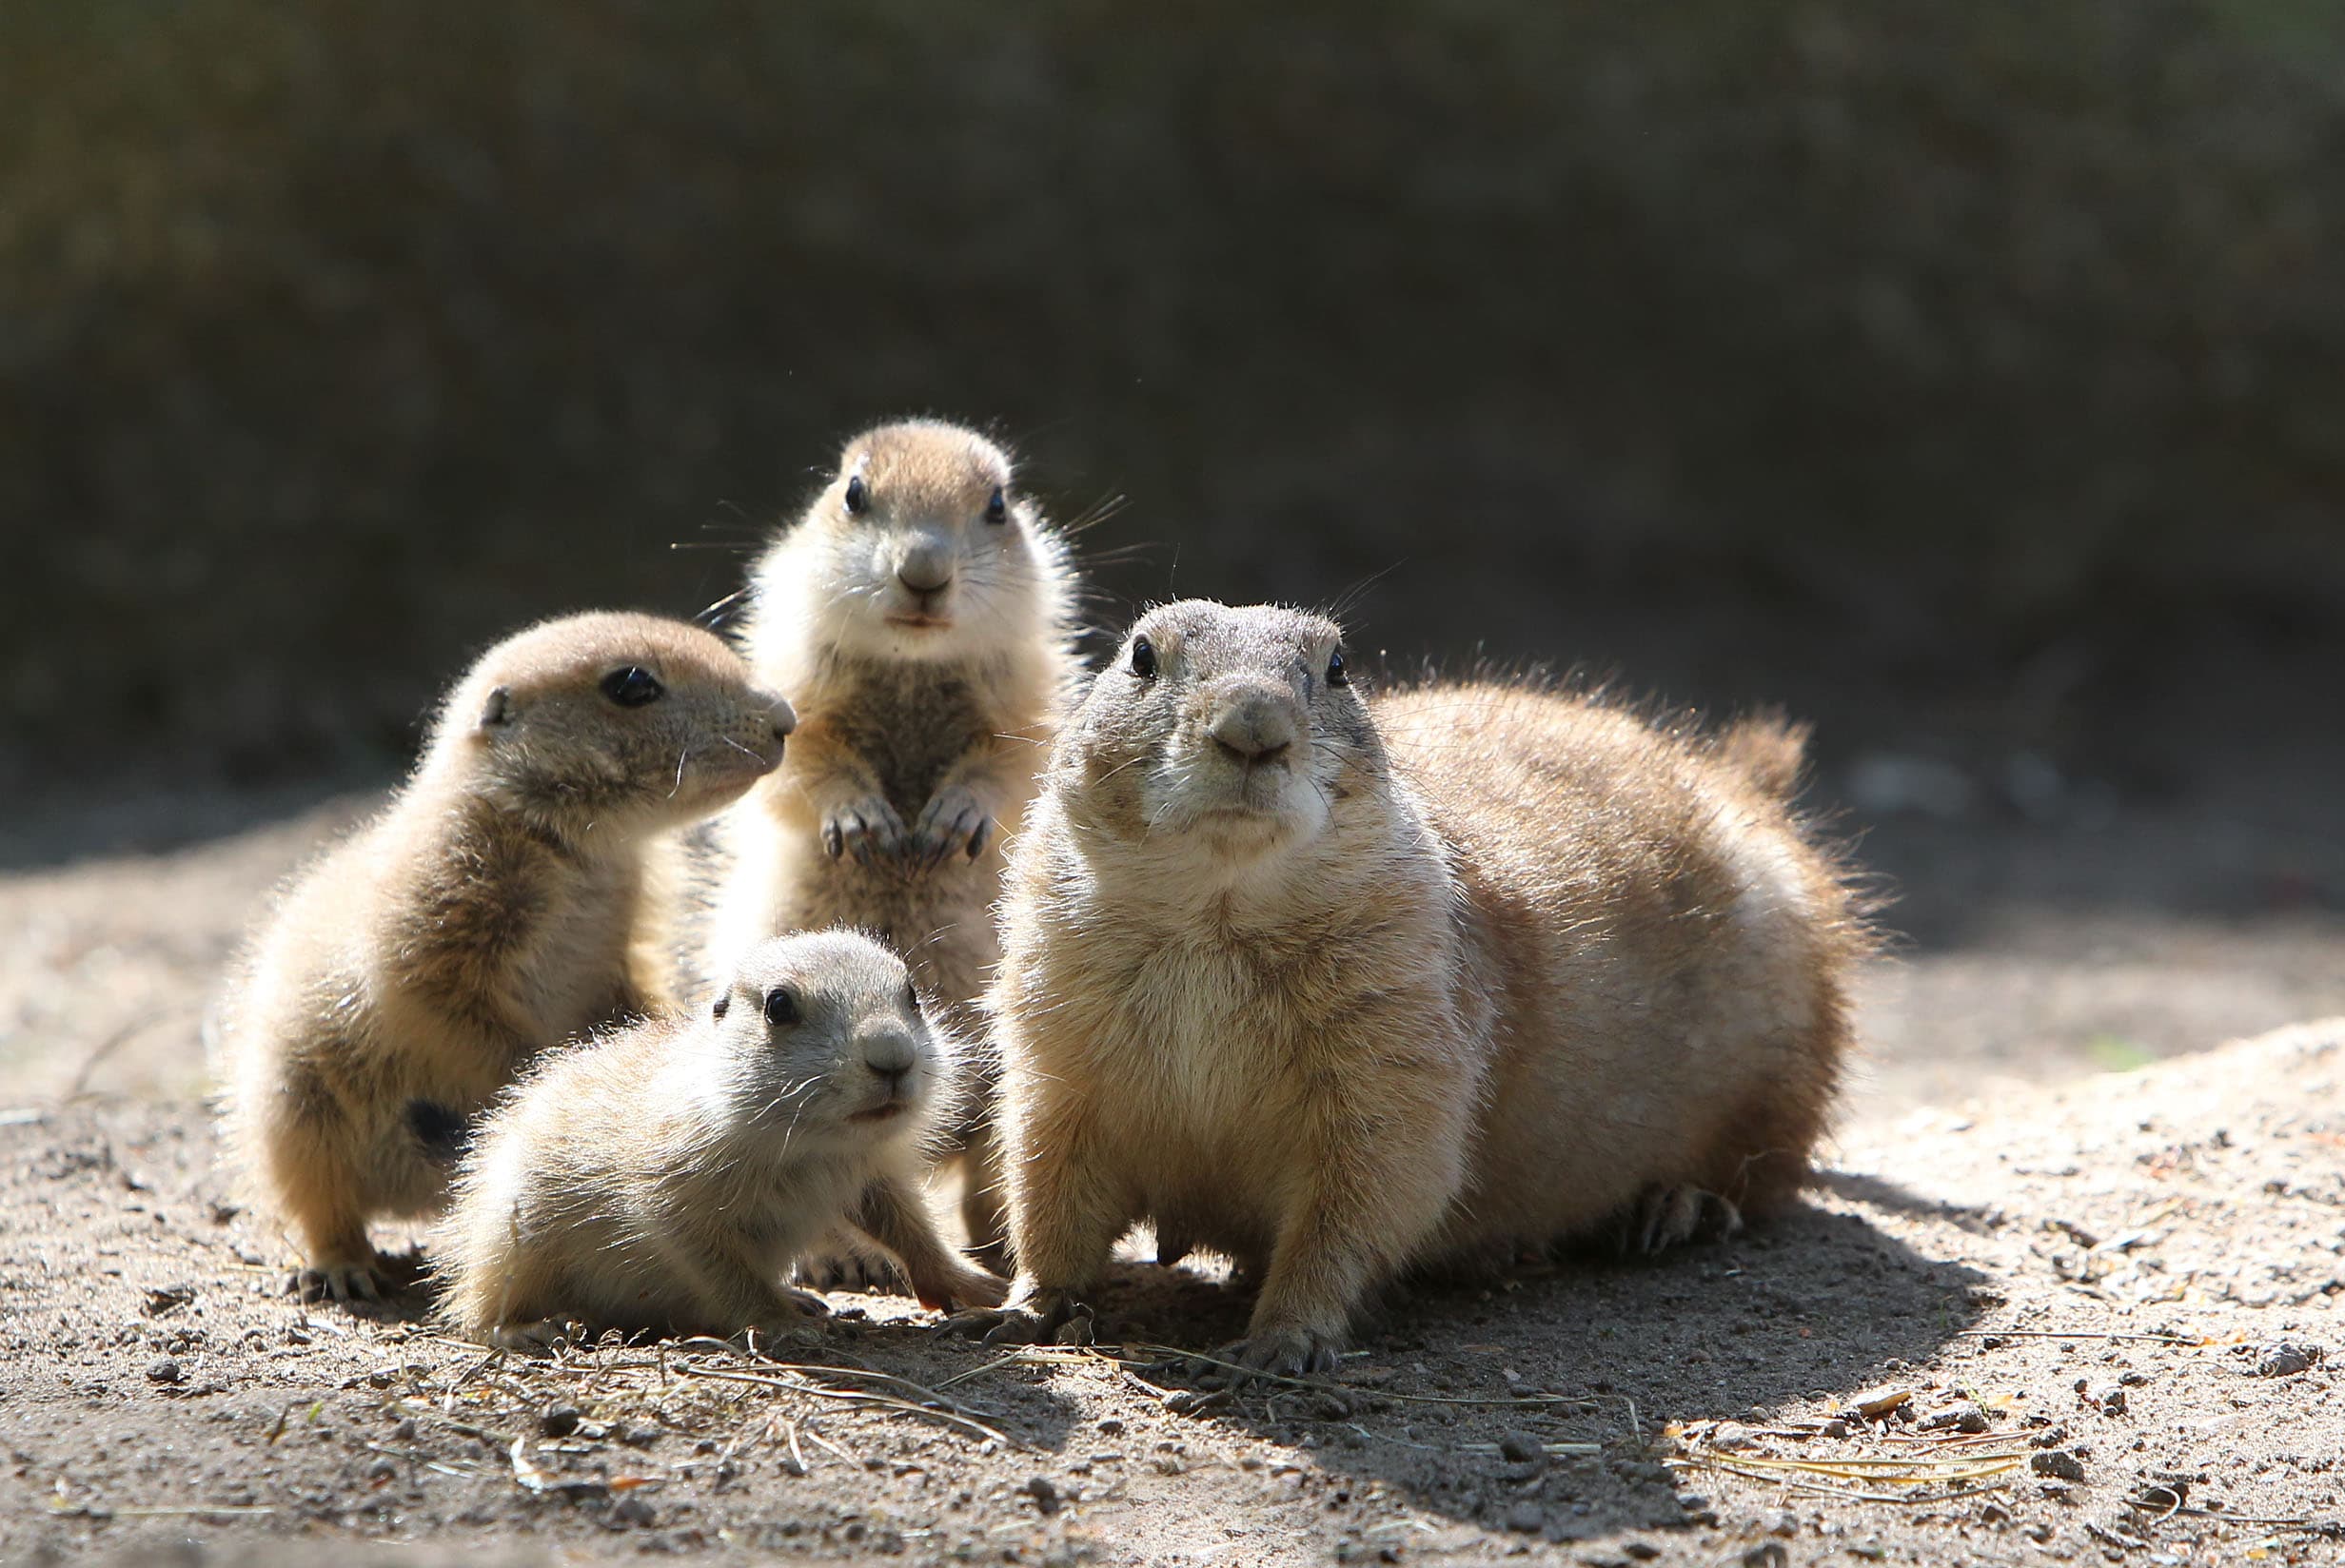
x=2048 y=1302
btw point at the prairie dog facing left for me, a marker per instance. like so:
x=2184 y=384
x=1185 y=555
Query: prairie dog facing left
x=920 y=614
x=663 y=1179
x=1344 y=988
x=497 y=906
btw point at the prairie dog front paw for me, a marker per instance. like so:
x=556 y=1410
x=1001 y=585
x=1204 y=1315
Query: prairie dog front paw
x=1036 y=1317
x=865 y=828
x=1281 y=1353
x=955 y=820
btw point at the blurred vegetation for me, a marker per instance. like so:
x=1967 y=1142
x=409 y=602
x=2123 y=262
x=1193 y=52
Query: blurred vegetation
x=335 y=338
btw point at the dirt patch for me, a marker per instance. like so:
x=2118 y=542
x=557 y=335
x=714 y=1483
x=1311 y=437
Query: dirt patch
x=2104 y=1316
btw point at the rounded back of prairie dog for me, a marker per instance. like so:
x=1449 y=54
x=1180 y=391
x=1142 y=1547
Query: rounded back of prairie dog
x=499 y=905
x=1346 y=986
x=664 y=1177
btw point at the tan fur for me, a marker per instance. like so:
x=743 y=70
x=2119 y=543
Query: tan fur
x=495 y=907
x=1767 y=750
x=1469 y=969
x=918 y=744
x=663 y=1179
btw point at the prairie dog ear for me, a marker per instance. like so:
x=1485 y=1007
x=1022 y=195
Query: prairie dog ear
x=498 y=709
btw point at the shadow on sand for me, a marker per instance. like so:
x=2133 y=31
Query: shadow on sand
x=1456 y=1384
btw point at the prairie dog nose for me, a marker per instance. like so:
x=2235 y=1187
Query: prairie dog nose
x=1254 y=726
x=888 y=1053
x=926 y=567
x=781 y=715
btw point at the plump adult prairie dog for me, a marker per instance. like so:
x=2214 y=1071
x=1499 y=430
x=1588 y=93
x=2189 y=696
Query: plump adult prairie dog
x=919 y=616
x=495 y=908
x=663 y=1178
x=1344 y=988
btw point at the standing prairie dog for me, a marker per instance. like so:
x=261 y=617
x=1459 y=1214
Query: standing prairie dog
x=919 y=616
x=663 y=1178
x=495 y=908
x=1344 y=988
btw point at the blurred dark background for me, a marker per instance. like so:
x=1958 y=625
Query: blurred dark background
x=1968 y=377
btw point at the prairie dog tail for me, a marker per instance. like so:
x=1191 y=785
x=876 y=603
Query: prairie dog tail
x=1767 y=750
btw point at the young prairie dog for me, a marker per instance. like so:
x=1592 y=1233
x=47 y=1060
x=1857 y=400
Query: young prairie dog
x=919 y=614
x=1344 y=988
x=491 y=910
x=663 y=1179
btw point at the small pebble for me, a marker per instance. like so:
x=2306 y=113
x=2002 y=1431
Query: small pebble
x=2059 y=1463
x=633 y=1509
x=1516 y=1448
x=2113 y=1402
x=1196 y=1401
x=1836 y=1428
x=1111 y=1425
x=405 y=1431
x=1768 y=1553
x=2285 y=1359
x=1526 y=1518
x=1873 y=1403
x=163 y=1369
x=1728 y=1436
x=1045 y=1495
x=1786 y=1524
x=1644 y=1551
x=1965 y=1416
x=557 y=1421
x=381 y=1469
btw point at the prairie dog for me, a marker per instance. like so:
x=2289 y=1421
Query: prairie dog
x=919 y=614
x=1344 y=988
x=491 y=910
x=664 y=1177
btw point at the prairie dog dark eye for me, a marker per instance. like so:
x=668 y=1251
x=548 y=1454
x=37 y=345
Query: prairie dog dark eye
x=1337 y=674
x=859 y=495
x=633 y=686
x=912 y=996
x=1143 y=659
x=997 y=507
x=724 y=1005
x=780 y=1007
